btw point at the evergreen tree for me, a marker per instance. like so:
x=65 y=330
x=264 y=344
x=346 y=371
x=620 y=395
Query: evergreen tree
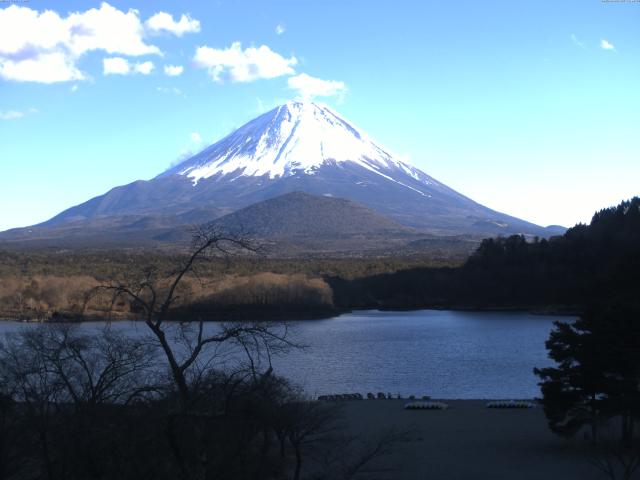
x=598 y=373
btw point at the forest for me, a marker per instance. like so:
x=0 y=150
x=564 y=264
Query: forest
x=589 y=264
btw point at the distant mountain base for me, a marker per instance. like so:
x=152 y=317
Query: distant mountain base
x=290 y=225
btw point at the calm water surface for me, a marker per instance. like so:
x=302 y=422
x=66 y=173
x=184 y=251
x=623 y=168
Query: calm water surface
x=444 y=354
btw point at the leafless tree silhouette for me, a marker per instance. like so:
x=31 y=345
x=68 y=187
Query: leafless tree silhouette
x=154 y=295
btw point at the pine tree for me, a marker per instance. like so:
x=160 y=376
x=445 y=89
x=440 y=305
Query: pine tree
x=598 y=373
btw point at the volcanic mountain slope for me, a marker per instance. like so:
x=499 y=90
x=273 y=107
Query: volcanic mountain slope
x=299 y=214
x=299 y=146
x=291 y=225
x=298 y=222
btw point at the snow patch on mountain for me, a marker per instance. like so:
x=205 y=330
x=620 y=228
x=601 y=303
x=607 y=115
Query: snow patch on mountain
x=297 y=137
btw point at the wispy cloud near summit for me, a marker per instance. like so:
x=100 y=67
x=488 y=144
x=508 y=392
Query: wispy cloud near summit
x=308 y=87
x=606 y=45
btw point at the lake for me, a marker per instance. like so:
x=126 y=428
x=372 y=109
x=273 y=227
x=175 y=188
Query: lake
x=444 y=354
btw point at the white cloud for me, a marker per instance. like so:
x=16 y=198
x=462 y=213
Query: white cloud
x=280 y=29
x=606 y=45
x=11 y=115
x=16 y=114
x=195 y=137
x=121 y=66
x=109 y=29
x=173 y=70
x=116 y=66
x=309 y=87
x=43 y=46
x=42 y=67
x=174 y=90
x=576 y=42
x=144 y=68
x=163 y=21
x=74 y=88
x=238 y=65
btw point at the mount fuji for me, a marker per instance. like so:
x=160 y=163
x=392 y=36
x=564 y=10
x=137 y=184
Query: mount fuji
x=297 y=147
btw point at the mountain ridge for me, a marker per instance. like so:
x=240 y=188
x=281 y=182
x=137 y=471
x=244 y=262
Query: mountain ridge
x=296 y=147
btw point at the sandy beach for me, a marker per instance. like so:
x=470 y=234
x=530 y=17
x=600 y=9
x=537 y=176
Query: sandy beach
x=470 y=441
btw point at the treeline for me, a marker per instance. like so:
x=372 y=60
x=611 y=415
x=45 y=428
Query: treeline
x=589 y=264
x=258 y=296
x=264 y=296
x=109 y=264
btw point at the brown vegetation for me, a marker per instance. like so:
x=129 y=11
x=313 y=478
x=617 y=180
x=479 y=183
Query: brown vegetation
x=51 y=297
x=53 y=285
x=43 y=296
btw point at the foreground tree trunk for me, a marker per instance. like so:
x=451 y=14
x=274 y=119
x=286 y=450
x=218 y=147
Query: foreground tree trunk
x=298 y=470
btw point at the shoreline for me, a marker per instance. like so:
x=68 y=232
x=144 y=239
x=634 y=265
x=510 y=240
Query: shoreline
x=301 y=315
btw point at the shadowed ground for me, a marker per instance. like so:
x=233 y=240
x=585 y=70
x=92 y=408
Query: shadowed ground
x=470 y=441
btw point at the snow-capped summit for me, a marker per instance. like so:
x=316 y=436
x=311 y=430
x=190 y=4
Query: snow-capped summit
x=297 y=137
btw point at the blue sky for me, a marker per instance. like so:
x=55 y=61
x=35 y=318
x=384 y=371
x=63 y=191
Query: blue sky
x=531 y=108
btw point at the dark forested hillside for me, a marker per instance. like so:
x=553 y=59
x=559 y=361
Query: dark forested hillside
x=588 y=264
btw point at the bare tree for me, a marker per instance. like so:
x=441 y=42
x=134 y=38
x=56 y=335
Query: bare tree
x=307 y=423
x=354 y=456
x=37 y=391
x=154 y=296
x=19 y=302
x=86 y=369
x=616 y=460
x=317 y=435
x=9 y=435
x=63 y=380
